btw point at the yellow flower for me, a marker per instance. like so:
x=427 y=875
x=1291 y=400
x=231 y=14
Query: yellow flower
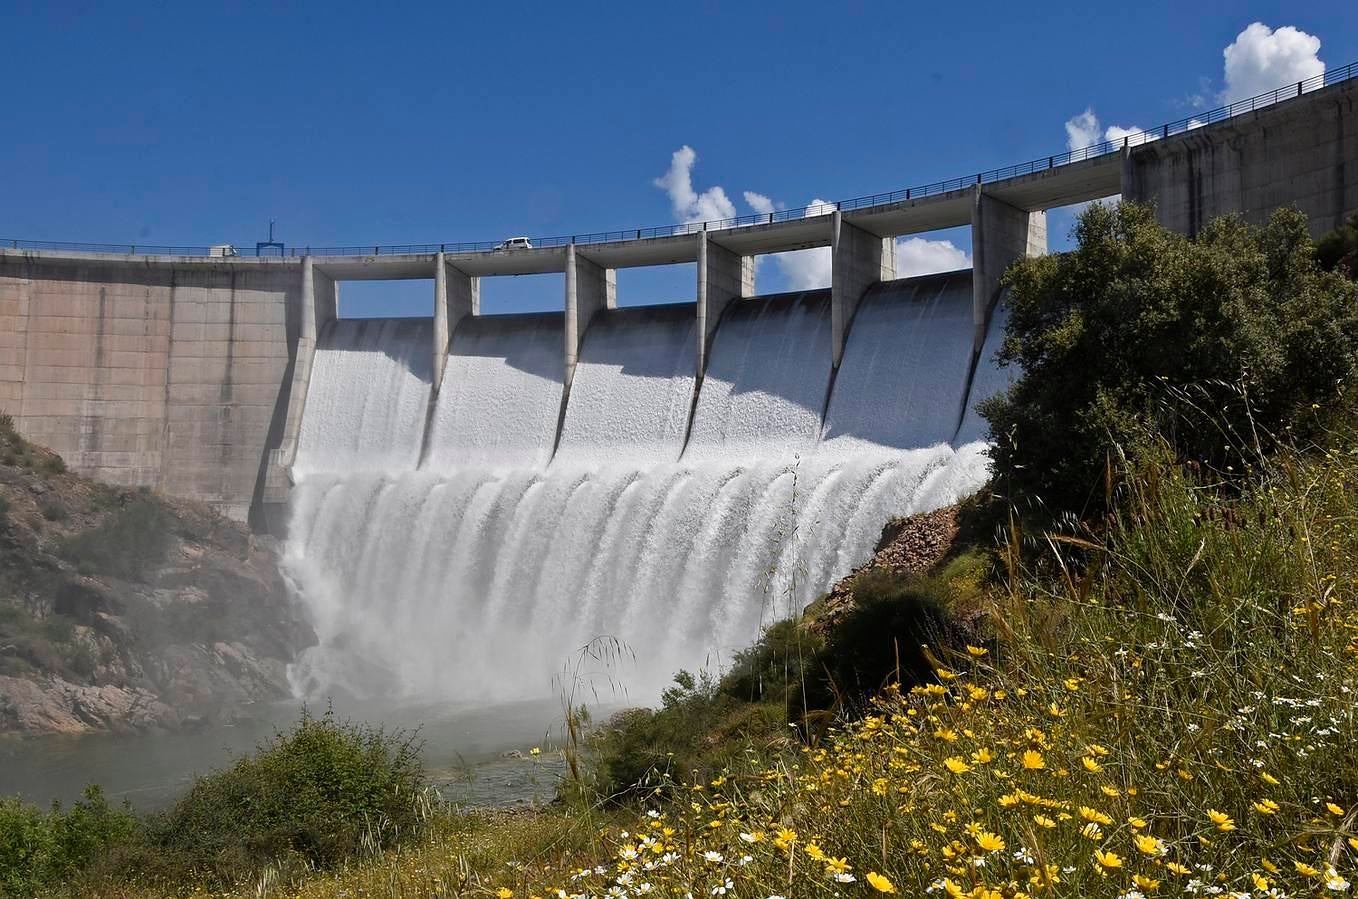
x=879 y=883
x=1032 y=760
x=1305 y=870
x=836 y=865
x=976 y=652
x=1137 y=823
x=1072 y=684
x=1353 y=841
x=1144 y=882
x=1265 y=806
x=955 y=764
x=1222 y=820
x=988 y=841
x=815 y=852
x=1149 y=845
x=945 y=674
x=1268 y=778
x=1056 y=711
x=1094 y=815
x=785 y=838
x=1260 y=881
x=1110 y=792
x=983 y=756
x=1091 y=765
x=504 y=892
x=1268 y=866
x=1334 y=809
x=946 y=734
x=1107 y=860
x=536 y=750
x=1044 y=821
x=953 y=889
x=1092 y=831
x=1177 y=868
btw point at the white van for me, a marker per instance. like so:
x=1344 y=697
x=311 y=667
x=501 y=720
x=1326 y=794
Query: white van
x=516 y=243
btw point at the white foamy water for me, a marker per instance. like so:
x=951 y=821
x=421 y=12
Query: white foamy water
x=767 y=379
x=633 y=388
x=481 y=580
x=990 y=379
x=500 y=400
x=903 y=380
x=368 y=397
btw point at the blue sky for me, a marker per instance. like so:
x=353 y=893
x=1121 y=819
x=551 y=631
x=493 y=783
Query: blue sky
x=411 y=123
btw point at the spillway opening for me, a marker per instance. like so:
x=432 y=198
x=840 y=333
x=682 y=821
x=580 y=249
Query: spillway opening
x=651 y=285
x=404 y=298
x=507 y=294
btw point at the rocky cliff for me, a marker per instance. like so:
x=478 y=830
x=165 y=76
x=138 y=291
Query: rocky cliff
x=120 y=608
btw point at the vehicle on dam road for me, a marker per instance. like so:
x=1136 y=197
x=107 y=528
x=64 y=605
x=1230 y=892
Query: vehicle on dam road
x=515 y=243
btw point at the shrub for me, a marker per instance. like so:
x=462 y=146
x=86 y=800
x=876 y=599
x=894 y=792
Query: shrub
x=40 y=848
x=51 y=463
x=1340 y=247
x=317 y=795
x=884 y=638
x=53 y=509
x=1222 y=344
x=126 y=545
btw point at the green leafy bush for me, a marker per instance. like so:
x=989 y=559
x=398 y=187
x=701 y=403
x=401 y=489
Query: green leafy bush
x=126 y=545
x=697 y=730
x=317 y=795
x=38 y=849
x=1340 y=246
x=1221 y=344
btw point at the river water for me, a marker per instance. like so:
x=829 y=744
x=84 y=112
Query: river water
x=476 y=757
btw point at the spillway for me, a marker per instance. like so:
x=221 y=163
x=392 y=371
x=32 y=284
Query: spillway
x=481 y=574
x=369 y=394
x=990 y=379
x=501 y=393
x=633 y=388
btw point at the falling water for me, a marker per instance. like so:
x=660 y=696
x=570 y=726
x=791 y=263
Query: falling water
x=479 y=574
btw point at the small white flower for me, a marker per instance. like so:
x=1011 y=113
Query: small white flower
x=713 y=856
x=846 y=877
x=745 y=860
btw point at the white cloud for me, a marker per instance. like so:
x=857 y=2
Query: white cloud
x=920 y=256
x=1261 y=59
x=690 y=206
x=758 y=202
x=1082 y=130
x=807 y=269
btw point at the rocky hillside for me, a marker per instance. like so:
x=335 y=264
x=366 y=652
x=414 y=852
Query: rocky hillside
x=123 y=609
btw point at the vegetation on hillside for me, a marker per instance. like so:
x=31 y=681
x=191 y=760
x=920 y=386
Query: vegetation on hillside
x=1223 y=345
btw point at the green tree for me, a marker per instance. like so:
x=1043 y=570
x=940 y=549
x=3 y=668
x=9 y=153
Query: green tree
x=1220 y=343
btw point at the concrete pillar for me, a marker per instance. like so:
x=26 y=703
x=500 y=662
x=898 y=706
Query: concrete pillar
x=1000 y=235
x=441 y=327
x=858 y=260
x=456 y=295
x=318 y=306
x=723 y=276
x=586 y=293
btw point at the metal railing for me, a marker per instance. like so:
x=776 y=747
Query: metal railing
x=1041 y=164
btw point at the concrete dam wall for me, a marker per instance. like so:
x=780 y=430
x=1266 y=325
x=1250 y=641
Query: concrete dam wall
x=159 y=373
x=193 y=375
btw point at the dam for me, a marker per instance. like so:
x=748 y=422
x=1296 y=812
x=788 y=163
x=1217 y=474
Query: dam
x=488 y=493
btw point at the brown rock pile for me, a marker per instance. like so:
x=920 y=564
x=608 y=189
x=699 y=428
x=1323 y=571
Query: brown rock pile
x=908 y=546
